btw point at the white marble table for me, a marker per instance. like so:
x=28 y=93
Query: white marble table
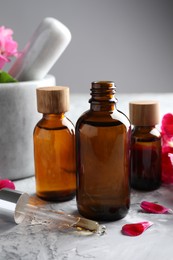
x=42 y=242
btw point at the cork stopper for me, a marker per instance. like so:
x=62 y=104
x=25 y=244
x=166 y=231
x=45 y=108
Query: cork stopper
x=53 y=100
x=144 y=113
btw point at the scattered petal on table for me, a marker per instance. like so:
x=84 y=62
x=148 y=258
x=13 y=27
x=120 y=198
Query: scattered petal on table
x=151 y=207
x=136 y=229
x=6 y=184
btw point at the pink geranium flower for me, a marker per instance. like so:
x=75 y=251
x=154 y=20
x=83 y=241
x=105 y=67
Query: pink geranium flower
x=167 y=148
x=8 y=47
x=6 y=184
x=167 y=125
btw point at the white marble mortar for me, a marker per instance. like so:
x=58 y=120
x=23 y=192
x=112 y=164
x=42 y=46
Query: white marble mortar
x=18 y=117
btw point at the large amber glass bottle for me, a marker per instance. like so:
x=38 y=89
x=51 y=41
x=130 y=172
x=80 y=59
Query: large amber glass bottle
x=145 y=145
x=54 y=146
x=102 y=140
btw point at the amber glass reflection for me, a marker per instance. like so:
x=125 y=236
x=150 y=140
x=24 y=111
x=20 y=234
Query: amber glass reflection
x=103 y=172
x=54 y=154
x=102 y=139
x=145 y=158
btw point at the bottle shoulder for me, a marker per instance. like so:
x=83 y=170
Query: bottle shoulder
x=55 y=123
x=106 y=117
x=146 y=133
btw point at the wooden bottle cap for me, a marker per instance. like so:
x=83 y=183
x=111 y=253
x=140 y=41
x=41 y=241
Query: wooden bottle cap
x=144 y=113
x=53 y=100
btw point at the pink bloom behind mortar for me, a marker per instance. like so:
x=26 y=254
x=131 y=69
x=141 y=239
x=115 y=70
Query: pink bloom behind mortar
x=8 y=47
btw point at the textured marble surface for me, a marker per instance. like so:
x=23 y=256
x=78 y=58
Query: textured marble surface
x=46 y=242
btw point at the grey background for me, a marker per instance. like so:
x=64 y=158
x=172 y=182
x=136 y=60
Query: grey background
x=128 y=41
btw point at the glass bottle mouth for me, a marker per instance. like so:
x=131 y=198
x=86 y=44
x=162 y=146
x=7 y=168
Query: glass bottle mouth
x=103 y=83
x=103 y=91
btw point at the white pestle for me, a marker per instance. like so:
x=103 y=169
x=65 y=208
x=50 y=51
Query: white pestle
x=42 y=51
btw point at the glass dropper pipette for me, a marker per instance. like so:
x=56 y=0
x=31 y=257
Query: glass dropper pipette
x=16 y=205
x=61 y=218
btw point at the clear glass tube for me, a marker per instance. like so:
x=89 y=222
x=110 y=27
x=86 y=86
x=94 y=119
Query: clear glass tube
x=61 y=219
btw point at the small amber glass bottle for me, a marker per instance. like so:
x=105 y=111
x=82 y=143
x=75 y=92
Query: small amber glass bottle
x=145 y=146
x=54 y=146
x=102 y=141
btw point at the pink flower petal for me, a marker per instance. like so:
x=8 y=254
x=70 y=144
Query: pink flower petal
x=167 y=164
x=8 y=47
x=3 y=60
x=6 y=32
x=136 y=229
x=167 y=125
x=151 y=207
x=167 y=148
x=7 y=184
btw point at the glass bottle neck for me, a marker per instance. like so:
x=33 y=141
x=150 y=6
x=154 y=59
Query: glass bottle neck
x=102 y=106
x=53 y=116
x=103 y=96
x=143 y=129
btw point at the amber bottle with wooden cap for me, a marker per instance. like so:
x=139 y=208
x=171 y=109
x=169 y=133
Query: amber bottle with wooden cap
x=102 y=142
x=54 y=146
x=145 y=145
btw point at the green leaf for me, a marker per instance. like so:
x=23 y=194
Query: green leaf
x=6 y=78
